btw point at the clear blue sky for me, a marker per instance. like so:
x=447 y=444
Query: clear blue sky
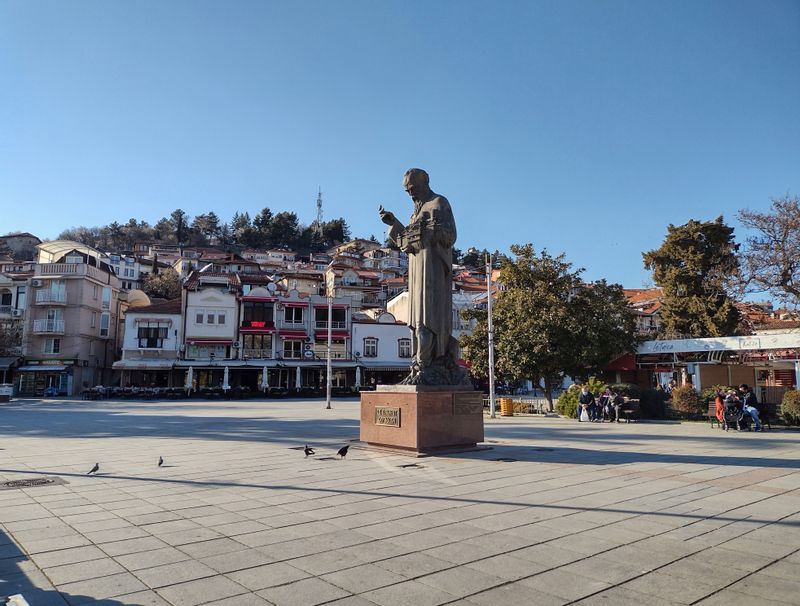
x=583 y=127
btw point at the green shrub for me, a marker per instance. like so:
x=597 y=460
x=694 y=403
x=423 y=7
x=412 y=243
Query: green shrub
x=686 y=401
x=629 y=390
x=567 y=403
x=790 y=407
x=653 y=403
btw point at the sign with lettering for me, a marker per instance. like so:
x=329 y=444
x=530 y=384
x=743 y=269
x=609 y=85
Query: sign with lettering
x=385 y=415
x=467 y=404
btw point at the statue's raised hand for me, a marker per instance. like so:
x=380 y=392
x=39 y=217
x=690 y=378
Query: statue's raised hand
x=387 y=216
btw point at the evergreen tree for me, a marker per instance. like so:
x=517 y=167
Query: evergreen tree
x=694 y=267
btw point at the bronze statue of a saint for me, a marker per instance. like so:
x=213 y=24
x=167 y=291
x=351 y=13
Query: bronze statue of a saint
x=428 y=239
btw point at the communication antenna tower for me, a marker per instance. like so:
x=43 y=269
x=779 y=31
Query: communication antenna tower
x=318 y=223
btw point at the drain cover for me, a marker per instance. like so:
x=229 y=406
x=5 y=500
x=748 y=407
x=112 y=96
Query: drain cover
x=505 y=460
x=31 y=483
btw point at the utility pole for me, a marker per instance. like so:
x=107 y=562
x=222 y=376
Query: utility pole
x=329 y=293
x=492 y=413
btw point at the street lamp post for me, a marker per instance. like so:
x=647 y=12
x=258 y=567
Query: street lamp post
x=329 y=294
x=492 y=413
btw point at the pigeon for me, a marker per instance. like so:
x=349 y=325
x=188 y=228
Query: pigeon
x=308 y=451
x=343 y=451
x=160 y=461
x=94 y=469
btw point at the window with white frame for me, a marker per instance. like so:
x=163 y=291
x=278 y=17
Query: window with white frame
x=105 y=323
x=292 y=350
x=293 y=315
x=370 y=347
x=93 y=320
x=198 y=318
x=210 y=316
x=152 y=335
x=52 y=346
x=106 y=297
x=404 y=348
x=220 y=317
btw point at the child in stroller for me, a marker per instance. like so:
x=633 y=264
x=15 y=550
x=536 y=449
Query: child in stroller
x=734 y=413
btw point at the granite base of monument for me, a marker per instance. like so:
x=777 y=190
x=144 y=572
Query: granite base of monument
x=419 y=419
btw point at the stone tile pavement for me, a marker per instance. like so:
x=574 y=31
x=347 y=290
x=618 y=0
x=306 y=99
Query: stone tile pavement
x=640 y=513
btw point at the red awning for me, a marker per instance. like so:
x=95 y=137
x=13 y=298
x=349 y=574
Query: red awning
x=293 y=334
x=322 y=335
x=257 y=331
x=294 y=304
x=624 y=362
x=325 y=306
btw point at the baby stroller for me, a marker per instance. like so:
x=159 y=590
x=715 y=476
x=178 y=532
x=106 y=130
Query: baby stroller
x=734 y=415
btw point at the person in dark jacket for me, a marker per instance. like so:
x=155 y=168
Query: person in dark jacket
x=586 y=401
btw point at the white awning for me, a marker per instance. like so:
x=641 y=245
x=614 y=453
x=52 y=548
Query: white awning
x=142 y=364
x=42 y=368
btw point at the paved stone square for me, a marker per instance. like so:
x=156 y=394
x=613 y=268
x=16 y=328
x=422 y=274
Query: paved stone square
x=577 y=513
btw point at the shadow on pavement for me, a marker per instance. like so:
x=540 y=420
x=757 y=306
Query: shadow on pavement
x=19 y=575
x=74 y=420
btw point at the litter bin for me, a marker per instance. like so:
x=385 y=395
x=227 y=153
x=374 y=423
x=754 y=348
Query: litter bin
x=6 y=391
x=506 y=407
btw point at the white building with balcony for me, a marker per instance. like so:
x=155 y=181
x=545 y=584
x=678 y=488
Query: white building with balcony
x=151 y=346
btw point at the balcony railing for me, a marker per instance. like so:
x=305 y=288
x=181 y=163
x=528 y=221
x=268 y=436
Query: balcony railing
x=48 y=326
x=335 y=325
x=51 y=296
x=5 y=310
x=257 y=354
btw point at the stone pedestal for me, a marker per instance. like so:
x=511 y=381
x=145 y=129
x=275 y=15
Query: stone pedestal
x=422 y=419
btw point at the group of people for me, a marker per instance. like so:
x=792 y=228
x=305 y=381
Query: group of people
x=595 y=410
x=739 y=407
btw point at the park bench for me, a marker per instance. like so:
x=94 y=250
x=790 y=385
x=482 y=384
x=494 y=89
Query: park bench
x=768 y=412
x=712 y=413
x=630 y=409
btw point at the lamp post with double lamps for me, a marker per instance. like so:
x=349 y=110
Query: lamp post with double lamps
x=329 y=294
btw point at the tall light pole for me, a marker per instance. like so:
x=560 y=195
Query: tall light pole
x=329 y=294
x=492 y=413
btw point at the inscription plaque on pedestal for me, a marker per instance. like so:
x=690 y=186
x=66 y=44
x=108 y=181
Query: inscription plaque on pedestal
x=387 y=416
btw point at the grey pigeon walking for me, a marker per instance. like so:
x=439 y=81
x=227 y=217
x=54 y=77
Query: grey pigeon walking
x=160 y=461
x=94 y=469
x=343 y=451
x=308 y=451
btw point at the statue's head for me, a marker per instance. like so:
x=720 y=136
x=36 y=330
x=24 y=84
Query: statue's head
x=416 y=183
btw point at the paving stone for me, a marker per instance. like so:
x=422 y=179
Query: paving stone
x=151 y=559
x=268 y=575
x=414 y=565
x=563 y=583
x=237 y=560
x=177 y=572
x=517 y=594
x=100 y=588
x=69 y=573
x=307 y=592
x=201 y=591
x=362 y=578
x=409 y=593
x=74 y=555
x=118 y=548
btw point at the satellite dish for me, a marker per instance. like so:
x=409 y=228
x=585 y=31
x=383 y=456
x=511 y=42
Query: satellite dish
x=271 y=287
